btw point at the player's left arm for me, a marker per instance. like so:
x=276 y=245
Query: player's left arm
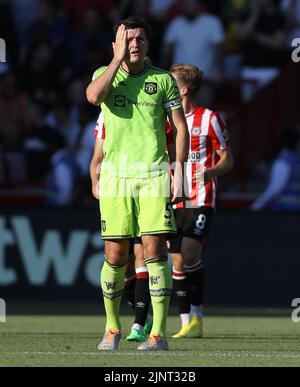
x=219 y=137
x=223 y=166
x=181 y=137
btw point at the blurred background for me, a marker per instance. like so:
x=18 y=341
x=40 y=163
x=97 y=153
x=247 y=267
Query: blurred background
x=50 y=247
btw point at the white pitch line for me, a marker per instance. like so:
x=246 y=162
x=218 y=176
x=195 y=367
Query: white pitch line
x=174 y=354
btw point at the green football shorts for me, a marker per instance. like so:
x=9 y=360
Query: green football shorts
x=135 y=207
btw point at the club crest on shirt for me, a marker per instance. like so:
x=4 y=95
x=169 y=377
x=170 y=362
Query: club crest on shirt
x=196 y=131
x=150 y=88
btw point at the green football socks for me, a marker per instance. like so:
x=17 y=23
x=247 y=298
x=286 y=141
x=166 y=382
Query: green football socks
x=112 y=283
x=160 y=284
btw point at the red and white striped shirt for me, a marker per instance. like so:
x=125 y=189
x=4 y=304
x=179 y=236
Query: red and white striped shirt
x=208 y=134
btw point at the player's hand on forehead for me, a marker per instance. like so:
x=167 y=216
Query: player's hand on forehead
x=120 y=45
x=121 y=31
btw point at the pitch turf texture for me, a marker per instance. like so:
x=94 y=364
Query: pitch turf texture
x=72 y=340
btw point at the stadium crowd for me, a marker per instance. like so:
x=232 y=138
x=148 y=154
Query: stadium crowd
x=54 y=46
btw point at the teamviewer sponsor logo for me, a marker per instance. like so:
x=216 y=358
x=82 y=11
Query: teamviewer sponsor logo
x=2 y=51
x=2 y=311
x=296 y=52
x=296 y=311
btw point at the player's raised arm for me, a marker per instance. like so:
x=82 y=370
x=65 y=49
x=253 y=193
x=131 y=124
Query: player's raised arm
x=182 y=139
x=100 y=87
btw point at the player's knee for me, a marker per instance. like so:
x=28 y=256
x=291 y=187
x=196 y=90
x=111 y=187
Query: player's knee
x=193 y=255
x=155 y=251
x=116 y=259
x=190 y=259
x=154 y=247
x=153 y=254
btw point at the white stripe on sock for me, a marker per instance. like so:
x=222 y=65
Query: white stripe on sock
x=185 y=319
x=139 y=270
x=138 y=327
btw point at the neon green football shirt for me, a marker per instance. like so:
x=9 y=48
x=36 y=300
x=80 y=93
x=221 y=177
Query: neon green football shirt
x=135 y=114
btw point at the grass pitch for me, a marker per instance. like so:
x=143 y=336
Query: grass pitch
x=72 y=341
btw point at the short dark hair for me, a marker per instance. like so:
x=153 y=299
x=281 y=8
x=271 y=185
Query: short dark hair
x=134 y=22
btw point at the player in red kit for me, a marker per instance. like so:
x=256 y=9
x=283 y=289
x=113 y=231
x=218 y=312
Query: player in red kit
x=209 y=158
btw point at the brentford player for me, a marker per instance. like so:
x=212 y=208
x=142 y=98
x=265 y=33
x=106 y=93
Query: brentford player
x=209 y=157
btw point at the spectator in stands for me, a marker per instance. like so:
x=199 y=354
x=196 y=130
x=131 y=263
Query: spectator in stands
x=160 y=8
x=38 y=76
x=59 y=118
x=24 y=14
x=61 y=181
x=49 y=27
x=86 y=140
x=196 y=38
x=264 y=43
x=76 y=97
x=283 y=191
x=75 y=9
x=234 y=12
x=16 y=120
x=50 y=16
x=93 y=33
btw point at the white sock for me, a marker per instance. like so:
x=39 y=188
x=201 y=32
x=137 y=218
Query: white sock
x=138 y=327
x=196 y=310
x=185 y=319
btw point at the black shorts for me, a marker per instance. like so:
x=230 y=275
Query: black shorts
x=198 y=230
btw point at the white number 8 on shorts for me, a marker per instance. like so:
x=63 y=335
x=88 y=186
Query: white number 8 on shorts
x=201 y=222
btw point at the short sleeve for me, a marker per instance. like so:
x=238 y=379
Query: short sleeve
x=172 y=99
x=218 y=132
x=171 y=33
x=99 y=72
